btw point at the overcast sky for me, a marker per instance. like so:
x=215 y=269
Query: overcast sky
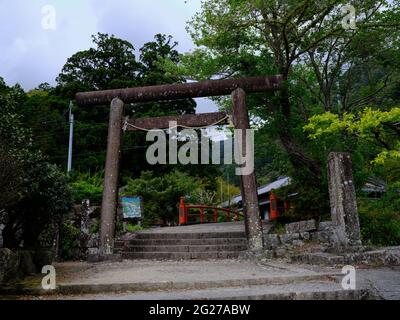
x=31 y=54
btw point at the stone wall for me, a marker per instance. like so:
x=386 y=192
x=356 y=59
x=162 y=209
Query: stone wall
x=83 y=217
x=297 y=235
x=18 y=263
x=1 y=235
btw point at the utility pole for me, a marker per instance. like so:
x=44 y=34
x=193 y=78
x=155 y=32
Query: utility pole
x=229 y=194
x=222 y=191
x=71 y=137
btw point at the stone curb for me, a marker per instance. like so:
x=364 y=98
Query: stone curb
x=360 y=294
x=70 y=289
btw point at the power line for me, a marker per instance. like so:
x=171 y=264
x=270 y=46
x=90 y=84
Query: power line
x=71 y=135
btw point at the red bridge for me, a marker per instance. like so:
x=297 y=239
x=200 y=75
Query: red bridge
x=194 y=213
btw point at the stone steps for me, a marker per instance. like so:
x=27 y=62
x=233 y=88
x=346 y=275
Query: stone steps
x=181 y=246
x=167 y=242
x=189 y=235
x=300 y=287
x=184 y=248
x=181 y=255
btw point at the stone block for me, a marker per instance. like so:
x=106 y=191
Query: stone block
x=271 y=241
x=322 y=236
x=301 y=226
x=9 y=265
x=93 y=251
x=343 y=200
x=93 y=241
x=298 y=243
x=289 y=238
x=386 y=257
x=26 y=265
x=320 y=258
x=292 y=227
x=305 y=236
x=325 y=226
x=279 y=253
x=308 y=225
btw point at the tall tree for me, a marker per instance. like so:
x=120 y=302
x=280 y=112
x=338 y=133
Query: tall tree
x=34 y=192
x=238 y=37
x=112 y=64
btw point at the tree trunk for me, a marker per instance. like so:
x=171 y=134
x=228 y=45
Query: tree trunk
x=297 y=155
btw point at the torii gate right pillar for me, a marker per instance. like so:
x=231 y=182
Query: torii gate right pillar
x=251 y=208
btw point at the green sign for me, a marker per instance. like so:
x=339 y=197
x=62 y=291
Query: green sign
x=131 y=207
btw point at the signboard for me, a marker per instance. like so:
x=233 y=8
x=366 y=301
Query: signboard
x=131 y=207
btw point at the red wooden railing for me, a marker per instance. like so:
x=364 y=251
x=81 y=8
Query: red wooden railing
x=203 y=212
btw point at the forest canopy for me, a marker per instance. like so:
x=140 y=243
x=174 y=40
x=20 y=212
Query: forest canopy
x=341 y=93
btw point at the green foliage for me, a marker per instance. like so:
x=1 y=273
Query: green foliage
x=42 y=193
x=380 y=218
x=279 y=227
x=95 y=228
x=87 y=186
x=111 y=63
x=228 y=191
x=369 y=125
x=161 y=194
x=133 y=227
x=69 y=236
x=326 y=68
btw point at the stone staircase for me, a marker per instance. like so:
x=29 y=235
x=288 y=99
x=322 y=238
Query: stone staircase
x=179 y=246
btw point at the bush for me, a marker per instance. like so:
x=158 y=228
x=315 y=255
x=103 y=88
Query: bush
x=35 y=193
x=380 y=219
x=44 y=200
x=380 y=228
x=87 y=186
x=133 y=227
x=69 y=240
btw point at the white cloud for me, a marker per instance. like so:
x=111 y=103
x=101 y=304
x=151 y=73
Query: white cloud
x=32 y=55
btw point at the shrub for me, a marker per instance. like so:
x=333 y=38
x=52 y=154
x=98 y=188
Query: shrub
x=133 y=227
x=35 y=193
x=380 y=219
x=69 y=240
x=87 y=186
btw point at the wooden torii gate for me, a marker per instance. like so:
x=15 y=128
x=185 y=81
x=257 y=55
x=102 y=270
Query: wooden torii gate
x=236 y=87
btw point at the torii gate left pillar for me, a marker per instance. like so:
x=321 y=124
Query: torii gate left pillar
x=110 y=191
